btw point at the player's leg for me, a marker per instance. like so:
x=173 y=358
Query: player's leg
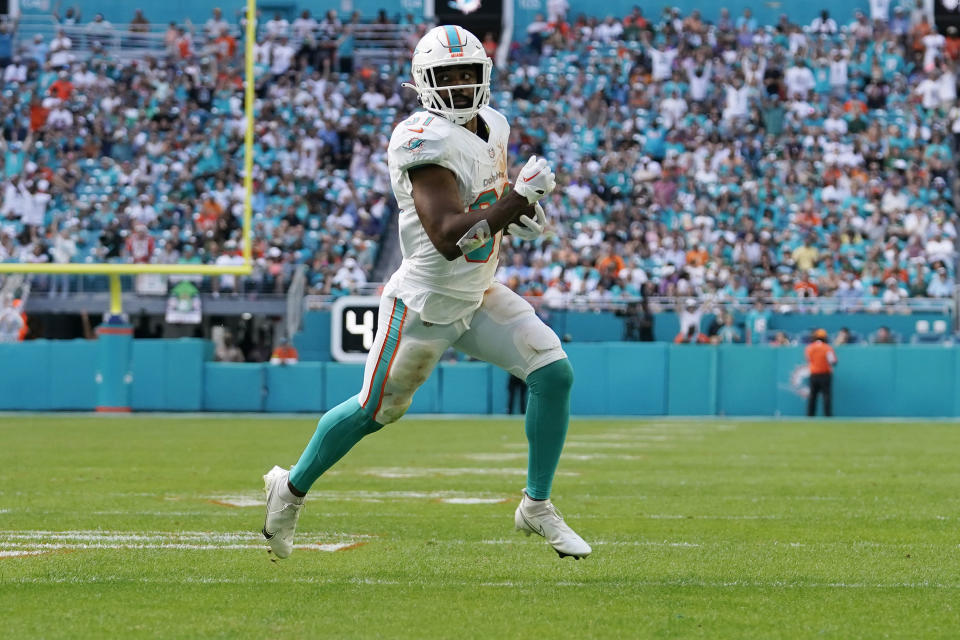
x=403 y=355
x=828 y=395
x=506 y=332
x=812 y=398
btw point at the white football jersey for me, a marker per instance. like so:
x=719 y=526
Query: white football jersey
x=440 y=290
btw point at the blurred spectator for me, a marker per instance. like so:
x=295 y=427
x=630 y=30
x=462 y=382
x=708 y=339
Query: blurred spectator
x=516 y=391
x=821 y=359
x=638 y=321
x=98 y=29
x=757 y=323
x=139 y=23
x=215 y=24
x=884 y=336
x=941 y=286
x=844 y=337
x=304 y=26
x=823 y=24
x=11 y=323
x=691 y=336
x=70 y=18
x=226 y=350
x=285 y=353
x=780 y=339
x=728 y=332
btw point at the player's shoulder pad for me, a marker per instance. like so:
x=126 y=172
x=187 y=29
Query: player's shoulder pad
x=492 y=116
x=420 y=139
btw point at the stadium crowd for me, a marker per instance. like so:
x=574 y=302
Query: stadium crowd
x=718 y=161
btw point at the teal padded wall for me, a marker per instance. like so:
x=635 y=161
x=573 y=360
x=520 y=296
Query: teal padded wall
x=233 y=386
x=342 y=381
x=923 y=379
x=168 y=375
x=465 y=387
x=149 y=367
x=73 y=384
x=590 y=375
x=692 y=375
x=791 y=381
x=863 y=381
x=295 y=387
x=25 y=371
x=313 y=339
x=746 y=381
x=636 y=378
x=609 y=379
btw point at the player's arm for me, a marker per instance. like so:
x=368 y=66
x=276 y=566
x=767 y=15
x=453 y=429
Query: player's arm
x=436 y=196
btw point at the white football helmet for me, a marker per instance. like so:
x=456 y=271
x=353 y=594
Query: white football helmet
x=447 y=46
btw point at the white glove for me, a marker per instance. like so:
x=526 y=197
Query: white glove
x=536 y=180
x=529 y=228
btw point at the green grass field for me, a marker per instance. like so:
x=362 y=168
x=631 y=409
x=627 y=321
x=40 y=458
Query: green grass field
x=147 y=527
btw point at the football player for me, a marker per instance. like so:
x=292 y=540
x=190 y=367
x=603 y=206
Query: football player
x=448 y=167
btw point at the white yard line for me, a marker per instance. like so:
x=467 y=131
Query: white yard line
x=423 y=472
x=508 y=584
x=19 y=543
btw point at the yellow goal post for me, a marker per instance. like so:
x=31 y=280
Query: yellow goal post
x=115 y=270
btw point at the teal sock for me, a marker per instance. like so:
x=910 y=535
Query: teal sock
x=338 y=430
x=548 y=415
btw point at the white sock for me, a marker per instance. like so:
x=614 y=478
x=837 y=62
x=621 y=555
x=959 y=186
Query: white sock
x=287 y=495
x=530 y=503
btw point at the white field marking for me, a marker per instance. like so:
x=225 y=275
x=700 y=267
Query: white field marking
x=495 y=457
x=17 y=554
x=238 y=500
x=665 y=516
x=380 y=496
x=42 y=541
x=609 y=543
x=504 y=457
x=475 y=500
x=601 y=445
x=41 y=547
x=4 y=510
x=696 y=584
x=204 y=514
x=622 y=437
x=423 y=472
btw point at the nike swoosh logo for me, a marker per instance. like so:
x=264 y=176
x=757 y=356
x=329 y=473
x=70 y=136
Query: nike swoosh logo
x=417 y=130
x=531 y=177
x=269 y=536
x=536 y=529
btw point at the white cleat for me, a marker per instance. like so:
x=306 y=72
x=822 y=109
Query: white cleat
x=541 y=517
x=282 y=516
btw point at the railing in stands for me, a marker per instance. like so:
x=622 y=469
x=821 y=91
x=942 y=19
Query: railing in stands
x=117 y=42
x=777 y=305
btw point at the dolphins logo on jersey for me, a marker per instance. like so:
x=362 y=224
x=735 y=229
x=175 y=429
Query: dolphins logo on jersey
x=413 y=145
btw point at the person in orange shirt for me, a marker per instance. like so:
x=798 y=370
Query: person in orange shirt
x=822 y=359
x=285 y=353
x=225 y=46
